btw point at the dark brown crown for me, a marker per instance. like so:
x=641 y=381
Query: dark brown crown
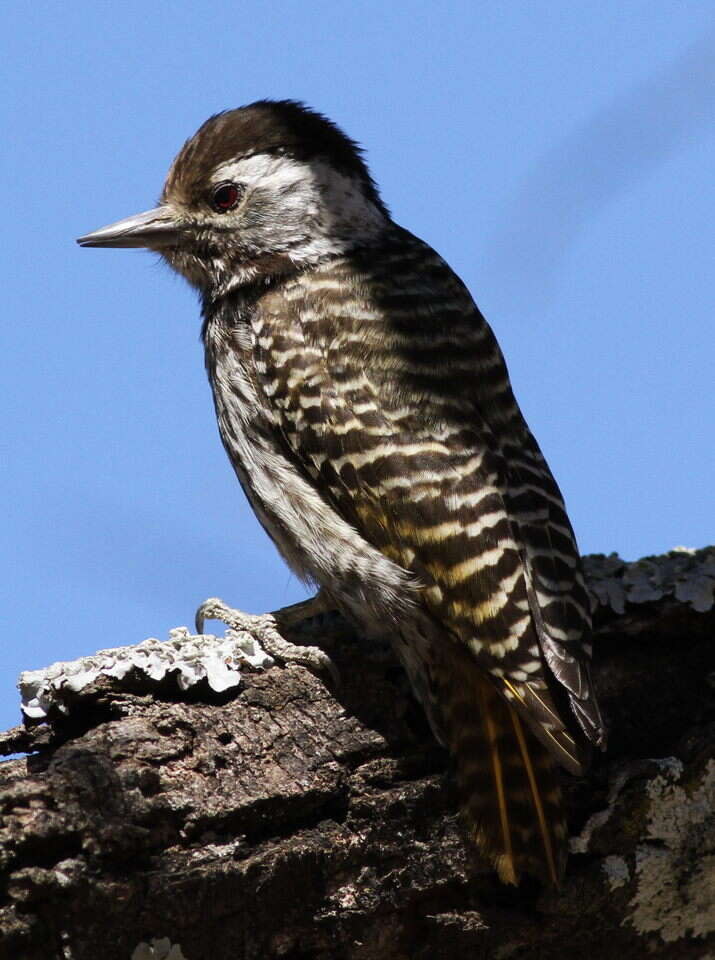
x=281 y=127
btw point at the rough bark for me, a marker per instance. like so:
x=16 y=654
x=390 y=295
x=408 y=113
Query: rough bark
x=290 y=819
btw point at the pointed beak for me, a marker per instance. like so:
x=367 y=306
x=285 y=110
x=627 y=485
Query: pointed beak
x=155 y=229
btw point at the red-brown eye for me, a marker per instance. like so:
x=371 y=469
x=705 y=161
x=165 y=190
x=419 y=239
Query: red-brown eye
x=225 y=197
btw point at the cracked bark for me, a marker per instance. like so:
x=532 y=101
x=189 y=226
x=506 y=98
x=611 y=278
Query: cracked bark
x=290 y=820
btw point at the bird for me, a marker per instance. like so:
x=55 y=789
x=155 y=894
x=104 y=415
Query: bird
x=367 y=410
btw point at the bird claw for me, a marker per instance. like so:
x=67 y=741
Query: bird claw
x=204 y=612
x=264 y=628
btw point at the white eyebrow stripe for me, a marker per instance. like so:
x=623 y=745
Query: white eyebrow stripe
x=282 y=170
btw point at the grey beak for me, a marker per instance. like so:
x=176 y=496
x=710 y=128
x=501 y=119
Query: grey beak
x=154 y=228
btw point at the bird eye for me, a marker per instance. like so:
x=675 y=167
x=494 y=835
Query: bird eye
x=225 y=197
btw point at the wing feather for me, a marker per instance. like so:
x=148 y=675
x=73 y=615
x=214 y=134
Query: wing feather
x=400 y=406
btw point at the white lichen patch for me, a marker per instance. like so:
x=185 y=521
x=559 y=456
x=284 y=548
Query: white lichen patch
x=675 y=863
x=617 y=872
x=685 y=574
x=158 y=949
x=186 y=657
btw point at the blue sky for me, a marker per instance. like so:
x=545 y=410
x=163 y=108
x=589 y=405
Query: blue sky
x=559 y=155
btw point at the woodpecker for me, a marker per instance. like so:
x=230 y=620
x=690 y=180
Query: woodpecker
x=366 y=408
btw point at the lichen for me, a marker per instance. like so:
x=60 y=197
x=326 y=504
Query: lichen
x=158 y=949
x=189 y=658
x=675 y=863
x=685 y=574
x=617 y=872
x=603 y=575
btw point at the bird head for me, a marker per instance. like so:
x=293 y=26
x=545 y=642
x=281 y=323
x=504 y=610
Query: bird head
x=258 y=191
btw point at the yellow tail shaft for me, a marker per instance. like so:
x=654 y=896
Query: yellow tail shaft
x=511 y=798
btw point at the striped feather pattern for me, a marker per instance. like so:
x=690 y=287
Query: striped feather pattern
x=506 y=777
x=389 y=395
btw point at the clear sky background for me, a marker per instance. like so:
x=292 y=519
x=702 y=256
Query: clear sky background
x=560 y=155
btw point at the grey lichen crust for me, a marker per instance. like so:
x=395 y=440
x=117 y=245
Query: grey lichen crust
x=686 y=575
x=189 y=658
x=675 y=862
x=158 y=949
x=671 y=874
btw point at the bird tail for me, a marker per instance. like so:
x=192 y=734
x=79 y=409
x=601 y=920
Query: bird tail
x=510 y=794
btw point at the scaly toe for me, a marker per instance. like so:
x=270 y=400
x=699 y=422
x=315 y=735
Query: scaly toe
x=281 y=649
x=264 y=628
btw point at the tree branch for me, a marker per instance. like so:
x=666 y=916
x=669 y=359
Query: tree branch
x=282 y=818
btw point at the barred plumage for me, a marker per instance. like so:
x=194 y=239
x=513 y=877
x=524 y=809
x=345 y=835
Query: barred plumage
x=366 y=407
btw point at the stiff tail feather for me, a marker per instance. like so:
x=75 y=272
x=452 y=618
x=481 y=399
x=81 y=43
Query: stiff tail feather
x=510 y=794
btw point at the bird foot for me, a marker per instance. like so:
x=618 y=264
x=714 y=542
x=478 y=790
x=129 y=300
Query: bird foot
x=269 y=631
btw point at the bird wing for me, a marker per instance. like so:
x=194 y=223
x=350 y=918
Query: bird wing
x=394 y=397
